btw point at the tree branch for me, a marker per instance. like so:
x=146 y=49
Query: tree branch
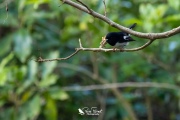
x=90 y=11
x=56 y=59
x=40 y=59
x=105 y=12
x=123 y=85
x=151 y=36
x=116 y=50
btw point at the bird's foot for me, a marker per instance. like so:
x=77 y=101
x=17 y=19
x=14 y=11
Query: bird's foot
x=114 y=49
x=121 y=49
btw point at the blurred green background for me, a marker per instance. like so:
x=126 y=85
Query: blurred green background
x=34 y=91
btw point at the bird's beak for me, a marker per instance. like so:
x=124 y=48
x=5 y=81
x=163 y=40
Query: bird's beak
x=131 y=39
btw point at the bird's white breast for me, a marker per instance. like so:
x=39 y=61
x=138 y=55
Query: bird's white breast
x=121 y=45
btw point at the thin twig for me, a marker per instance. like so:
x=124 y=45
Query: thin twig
x=141 y=47
x=122 y=85
x=80 y=44
x=90 y=11
x=105 y=12
x=151 y=36
x=57 y=59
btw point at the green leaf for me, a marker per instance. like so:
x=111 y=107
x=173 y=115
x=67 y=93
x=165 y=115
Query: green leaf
x=21 y=5
x=31 y=76
x=49 y=80
x=34 y=107
x=36 y=2
x=48 y=67
x=50 y=110
x=57 y=93
x=7 y=114
x=174 y=4
x=23 y=42
x=31 y=109
x=171 y=18
x=32 y=69
x=3 y=70
x=7 y=19
x=159 y=11
x=5 y=61
x=5 y=45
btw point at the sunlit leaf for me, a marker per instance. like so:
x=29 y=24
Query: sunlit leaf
x=50 y=110
x=174 y=4
x=36 y=2
x=3 y=71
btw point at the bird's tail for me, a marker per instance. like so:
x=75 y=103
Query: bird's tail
x=132 y=26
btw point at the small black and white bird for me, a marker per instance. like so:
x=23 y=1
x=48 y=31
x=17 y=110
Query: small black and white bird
x=119 y=39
